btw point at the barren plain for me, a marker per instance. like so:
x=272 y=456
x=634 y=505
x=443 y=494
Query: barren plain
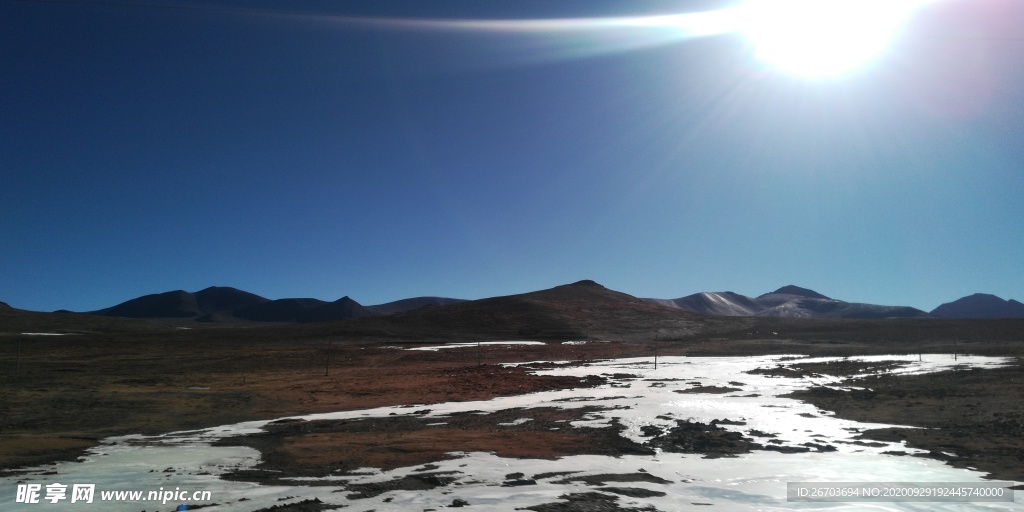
x=64 y=394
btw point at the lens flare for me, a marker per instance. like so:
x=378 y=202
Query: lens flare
x=823 y=38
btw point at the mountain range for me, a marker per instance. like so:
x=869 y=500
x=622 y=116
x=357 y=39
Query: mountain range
x=581 y=310
x=789 y=301
x=221 y=304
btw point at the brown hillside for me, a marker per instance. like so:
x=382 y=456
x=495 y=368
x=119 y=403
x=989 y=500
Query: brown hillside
x=580 y=310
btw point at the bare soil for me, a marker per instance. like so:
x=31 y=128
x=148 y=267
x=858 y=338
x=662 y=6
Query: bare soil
x=322 y=447
x=62 y=394
x=973 y=418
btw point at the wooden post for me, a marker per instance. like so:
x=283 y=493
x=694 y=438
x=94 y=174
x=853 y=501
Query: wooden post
x=327 y=366
x=17 y=358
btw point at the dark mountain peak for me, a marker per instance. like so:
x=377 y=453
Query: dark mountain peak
x=403 y=305
x=796 y=290
x=279 y=310
x=219 y=291
x=5 y=307
x=222 y=299
x=182 y=304
x=173 y=304
x=580 y=310
x=341 y=309
x=303 y=310
x=578 y=290
x=980 y=305
x=213 y=289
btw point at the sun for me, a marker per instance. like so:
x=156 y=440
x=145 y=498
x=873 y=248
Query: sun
x=822 y=38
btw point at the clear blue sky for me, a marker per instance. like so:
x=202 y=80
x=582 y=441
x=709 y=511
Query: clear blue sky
x=290 y=150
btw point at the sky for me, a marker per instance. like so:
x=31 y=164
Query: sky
x=474 y=148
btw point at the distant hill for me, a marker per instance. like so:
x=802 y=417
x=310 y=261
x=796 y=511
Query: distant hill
x=401 y=306
x=5 y=307
x=581 y=310
x=980 y=305
x=798 y=291
x=225 y=304
x=789 y=302
x=182 y=304
x=221 y=299
x=280 y=310
x=341 y=309
x=176 y=304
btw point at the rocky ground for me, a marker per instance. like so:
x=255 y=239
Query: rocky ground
x=972 y=418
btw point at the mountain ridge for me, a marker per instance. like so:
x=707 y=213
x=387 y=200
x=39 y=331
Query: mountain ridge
x=789 y=301
x=218 y=304
x=790 y=289
x=402 y=305
x=581 y=310
x=182 y=304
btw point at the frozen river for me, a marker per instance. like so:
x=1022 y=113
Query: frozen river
x=636 y=395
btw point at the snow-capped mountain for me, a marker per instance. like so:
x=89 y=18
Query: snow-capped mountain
x=788 y=301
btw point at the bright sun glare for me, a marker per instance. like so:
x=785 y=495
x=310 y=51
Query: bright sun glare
x=822 y=38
